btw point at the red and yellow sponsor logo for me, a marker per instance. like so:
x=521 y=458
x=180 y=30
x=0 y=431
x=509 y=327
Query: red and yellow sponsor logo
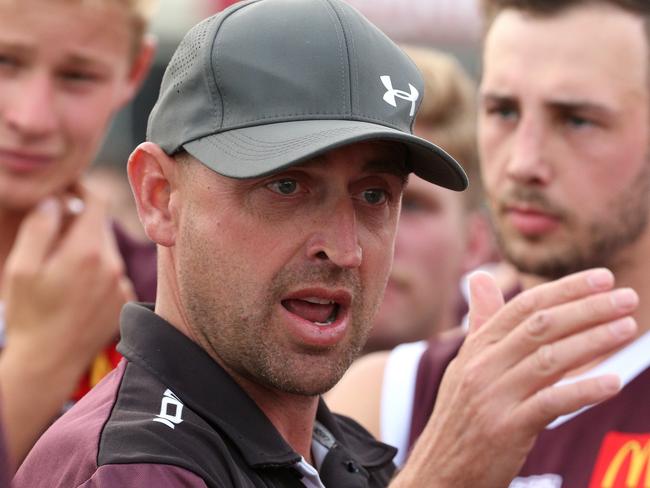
x=103 y=364
x=623 y=462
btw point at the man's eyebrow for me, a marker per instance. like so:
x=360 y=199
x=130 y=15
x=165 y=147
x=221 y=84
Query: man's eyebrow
x=81 y=61
x=381 y=164
x=394 y=167
x=497 y=97
x=16 y=48
x=580 y=106
x=559 y=104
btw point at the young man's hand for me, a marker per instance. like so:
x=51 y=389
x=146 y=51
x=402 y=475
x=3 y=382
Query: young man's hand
x=62 y=288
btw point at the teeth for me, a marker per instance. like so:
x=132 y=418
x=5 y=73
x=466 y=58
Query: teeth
x=330 y=319
x=318 y=301
x=323 y=324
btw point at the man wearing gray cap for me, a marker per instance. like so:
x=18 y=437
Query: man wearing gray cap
x=272 y=182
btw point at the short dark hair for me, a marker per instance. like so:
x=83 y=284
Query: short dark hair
x=491 y=8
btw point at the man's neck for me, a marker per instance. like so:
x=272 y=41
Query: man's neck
x=292 y=415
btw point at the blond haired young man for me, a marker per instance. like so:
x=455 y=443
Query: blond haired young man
x=66 y=67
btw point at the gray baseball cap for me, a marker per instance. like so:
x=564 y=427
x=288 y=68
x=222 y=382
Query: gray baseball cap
x=268 y=84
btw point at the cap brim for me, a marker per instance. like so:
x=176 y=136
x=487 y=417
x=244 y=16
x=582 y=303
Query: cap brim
x=261 y=150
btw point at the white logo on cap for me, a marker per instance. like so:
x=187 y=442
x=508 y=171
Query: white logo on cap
x=391 y=94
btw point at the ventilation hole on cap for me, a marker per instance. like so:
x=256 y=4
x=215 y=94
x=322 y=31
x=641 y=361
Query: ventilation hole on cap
x=187 y=54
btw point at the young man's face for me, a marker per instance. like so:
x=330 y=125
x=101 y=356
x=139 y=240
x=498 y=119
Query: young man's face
x=563 y=134
x=279 y=277
x=64 y=71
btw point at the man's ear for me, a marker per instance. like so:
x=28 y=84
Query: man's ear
x=153 y=176
x=481 y=245
x=140 y=67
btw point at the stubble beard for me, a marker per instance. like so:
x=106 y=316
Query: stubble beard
x=238 y=331
x=599 y=243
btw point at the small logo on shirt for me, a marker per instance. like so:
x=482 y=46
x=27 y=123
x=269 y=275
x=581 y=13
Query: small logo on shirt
x=392 y=93
x=171 y=410
x=623 y=462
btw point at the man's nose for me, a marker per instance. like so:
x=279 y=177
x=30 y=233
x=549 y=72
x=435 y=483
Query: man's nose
x=30 y=105
x=529 y=152
x=336 y=237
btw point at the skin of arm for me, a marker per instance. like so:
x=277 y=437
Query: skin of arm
x=62 y=293
x=358 y=394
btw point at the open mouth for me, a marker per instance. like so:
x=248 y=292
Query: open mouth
x=320 y=311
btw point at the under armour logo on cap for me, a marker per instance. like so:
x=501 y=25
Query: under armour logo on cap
x=225 y=100
x=391 y=94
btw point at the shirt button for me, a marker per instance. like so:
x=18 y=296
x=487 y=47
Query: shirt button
x=352 y=466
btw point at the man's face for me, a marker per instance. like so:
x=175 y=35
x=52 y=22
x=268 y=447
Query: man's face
x=430 y=247
x=64 y=71
x=563 y=135
x=280 y=276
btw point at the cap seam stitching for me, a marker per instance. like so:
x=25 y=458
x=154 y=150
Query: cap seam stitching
x=230 y=147
x=351 y=46
x=343 y=43
x=213 y=67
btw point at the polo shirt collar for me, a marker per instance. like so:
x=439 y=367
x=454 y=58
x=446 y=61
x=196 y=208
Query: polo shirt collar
x=204 y=386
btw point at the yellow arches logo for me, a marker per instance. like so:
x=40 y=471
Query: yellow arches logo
x=623 y=462
x=638 y=456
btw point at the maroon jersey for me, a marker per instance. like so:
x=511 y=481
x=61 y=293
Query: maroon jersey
x=604 y=446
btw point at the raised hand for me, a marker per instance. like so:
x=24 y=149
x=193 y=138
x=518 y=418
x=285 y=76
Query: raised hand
x=63 y=288
x=498 y=394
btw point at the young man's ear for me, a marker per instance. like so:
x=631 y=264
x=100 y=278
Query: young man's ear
x=481 y=245
x=140 y=66
x=153 y=174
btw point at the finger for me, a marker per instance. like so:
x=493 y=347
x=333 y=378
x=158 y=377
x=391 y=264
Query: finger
x=551 y=362
x=564 y=290
x=549 y=325
x=552 y=402
x=84 y=233
x=37 y=236
x=485 y=299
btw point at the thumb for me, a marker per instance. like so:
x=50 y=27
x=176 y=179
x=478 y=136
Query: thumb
x=485 y=299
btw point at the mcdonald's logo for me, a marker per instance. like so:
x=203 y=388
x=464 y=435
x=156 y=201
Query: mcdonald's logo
x=623 y=462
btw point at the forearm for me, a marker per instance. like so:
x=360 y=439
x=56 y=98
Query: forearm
x=33 y=389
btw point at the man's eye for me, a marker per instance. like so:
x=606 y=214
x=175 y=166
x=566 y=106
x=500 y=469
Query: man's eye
x=375 y=196
x=577 y=121
x=284 y=186
x=503 y=112
x=7 y=61
x=78 y=76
